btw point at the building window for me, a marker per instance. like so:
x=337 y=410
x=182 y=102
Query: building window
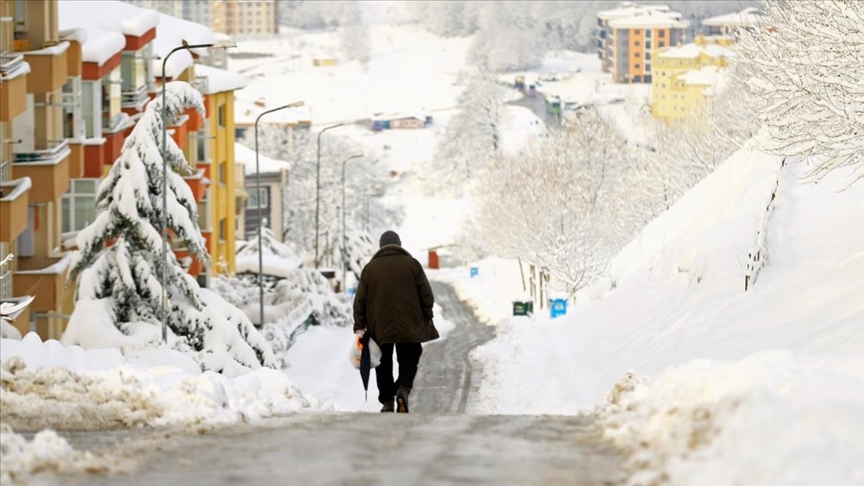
x=661 y=34
x=648 y=56
x=647 y=44
x=91 y=100
x=111 y=92
x=661 y=45
x=636 y=43
x=252 y=201
x=637 y=55
x=636 y=31
x=79 y=204
x=221 y=116
x=223 y=233
x=204 y=212
x=73 y=121
x=222 y=175
x=647 y=34
x=636 y=66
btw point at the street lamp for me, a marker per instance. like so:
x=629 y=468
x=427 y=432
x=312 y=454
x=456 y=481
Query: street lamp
x=186 y=45
x=318 y=186
x=260 y=219
x=344 y=241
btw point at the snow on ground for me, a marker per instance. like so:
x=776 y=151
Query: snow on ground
x=319 y=366
x=49 y=385
x=735 y=371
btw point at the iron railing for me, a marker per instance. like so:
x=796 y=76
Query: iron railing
x=9 y=62
x=135 y=97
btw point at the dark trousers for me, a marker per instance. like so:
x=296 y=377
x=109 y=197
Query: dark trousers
x=409 y=357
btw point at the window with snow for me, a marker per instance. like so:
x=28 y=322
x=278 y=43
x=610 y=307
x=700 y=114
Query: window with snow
x=79 y=204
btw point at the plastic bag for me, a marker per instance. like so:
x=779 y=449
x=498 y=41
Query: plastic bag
x=357 y=351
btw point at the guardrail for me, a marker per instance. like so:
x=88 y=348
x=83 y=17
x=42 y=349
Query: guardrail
x=53 y=154
x=136 y=97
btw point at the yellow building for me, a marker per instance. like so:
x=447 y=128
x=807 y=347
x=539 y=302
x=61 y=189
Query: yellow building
x=685 y=76
x=627 y=36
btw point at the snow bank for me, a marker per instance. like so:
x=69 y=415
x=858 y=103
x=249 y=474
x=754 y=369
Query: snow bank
x=676 y=295
x=771 y=418
x=49 y=385
x=22 y=460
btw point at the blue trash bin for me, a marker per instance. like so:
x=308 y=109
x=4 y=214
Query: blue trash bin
x=475 y=271
x=557 y=307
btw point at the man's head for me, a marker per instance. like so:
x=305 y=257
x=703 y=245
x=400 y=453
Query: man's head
x=389 y=238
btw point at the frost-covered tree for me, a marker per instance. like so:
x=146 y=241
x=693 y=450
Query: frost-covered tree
x=366 y=185
x=472 y=138
x=447 y=18
x=119 y=262
x=354 y=34
x=807 y=68
x=563 y=203
x=509 y=38
x=690 y=149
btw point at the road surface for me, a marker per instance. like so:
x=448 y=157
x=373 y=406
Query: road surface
x=436 y=444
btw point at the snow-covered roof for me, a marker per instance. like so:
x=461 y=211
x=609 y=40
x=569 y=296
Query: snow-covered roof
x=110 y=15
x=650 y=19
x=76 y=34
x=19 y=186
x=747 y=17
x=101 y=45
x=54 y=50
x=220 y=80
x=246 y=156
x=629 y=9
x=171 y=33
x=705 y=76
x=245 y=113
x=693 y=51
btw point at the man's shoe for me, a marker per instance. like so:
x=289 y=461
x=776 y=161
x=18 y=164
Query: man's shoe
x=402 y=399
x=388 y=407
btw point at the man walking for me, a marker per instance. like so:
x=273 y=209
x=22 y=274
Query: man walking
x=393 y=304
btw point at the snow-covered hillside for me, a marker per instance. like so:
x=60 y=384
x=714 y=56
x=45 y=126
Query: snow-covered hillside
x=768 y=362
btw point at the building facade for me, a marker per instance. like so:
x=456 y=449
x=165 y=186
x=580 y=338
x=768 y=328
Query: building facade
x=245 y=17
x=686 y=76
x=627 y=37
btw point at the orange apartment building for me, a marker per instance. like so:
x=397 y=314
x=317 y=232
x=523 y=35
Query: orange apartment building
x=627 y=37
x=70 y=93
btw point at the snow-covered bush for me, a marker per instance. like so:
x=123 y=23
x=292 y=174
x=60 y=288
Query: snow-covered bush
x=806 y=68
x=119 y=264
x=294 y=296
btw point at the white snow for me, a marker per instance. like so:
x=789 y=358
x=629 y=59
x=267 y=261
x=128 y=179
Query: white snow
x=48 y=384
x=20 y=186
x=246 y=156
x=676 y=295
x=170 y=34
x=102 y=45
x=54 y=50
x=109 y=15
x=219 y=80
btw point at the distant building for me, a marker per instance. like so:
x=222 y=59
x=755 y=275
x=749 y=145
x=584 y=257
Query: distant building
x=686 y=76
x=324 y=60
x=274 y=180
x=400 y=121
x=626 y=37
x=726 y=25
x=245 y=17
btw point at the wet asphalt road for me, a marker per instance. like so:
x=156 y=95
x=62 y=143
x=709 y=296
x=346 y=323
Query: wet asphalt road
x=436 y=444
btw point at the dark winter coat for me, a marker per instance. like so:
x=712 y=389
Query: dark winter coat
x=394 y=300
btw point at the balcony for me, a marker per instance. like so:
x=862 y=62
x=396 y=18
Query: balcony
x=13 y=86
x=135 y=99
x=14 y=197
x=198 y=183
x=180 y=131
x=49 y=167
x=48 y=68
x=192 y=265
x=21 y=317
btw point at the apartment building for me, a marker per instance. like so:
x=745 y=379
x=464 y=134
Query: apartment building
x=245 y=17
x=197 y=11
x=687 y=76
x=627 y=36
x=726 y=25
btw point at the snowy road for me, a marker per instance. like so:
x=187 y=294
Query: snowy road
x=445 y=378
x=373 y=449
x=437 y=444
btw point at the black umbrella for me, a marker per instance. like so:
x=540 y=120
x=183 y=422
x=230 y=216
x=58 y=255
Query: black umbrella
x=365 y=362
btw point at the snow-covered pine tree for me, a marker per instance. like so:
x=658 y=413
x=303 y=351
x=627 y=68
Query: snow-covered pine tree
x=119 y=262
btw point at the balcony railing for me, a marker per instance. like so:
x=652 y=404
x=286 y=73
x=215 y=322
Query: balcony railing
x=59 y=151
x=136 y=97
x=9 y=62
x=6 y=285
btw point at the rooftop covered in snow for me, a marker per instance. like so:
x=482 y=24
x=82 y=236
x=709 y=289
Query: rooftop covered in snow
x=110 y=15
x=170 y=34
x=748 y=17
x=220 y=80
x=246 y=156
x=631 y=9
x=693 y=51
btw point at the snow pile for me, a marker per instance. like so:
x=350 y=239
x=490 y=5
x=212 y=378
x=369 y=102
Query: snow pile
x=676 y=294
x=715 y=422
x=47 y=452
x=49 y=385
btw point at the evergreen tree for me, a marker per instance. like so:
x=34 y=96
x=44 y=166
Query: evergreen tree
x=120 y=260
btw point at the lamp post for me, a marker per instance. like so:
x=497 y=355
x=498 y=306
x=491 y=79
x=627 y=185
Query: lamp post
x=318 y=186
x=162 y=276
x=260 y=219
x=344 y=241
